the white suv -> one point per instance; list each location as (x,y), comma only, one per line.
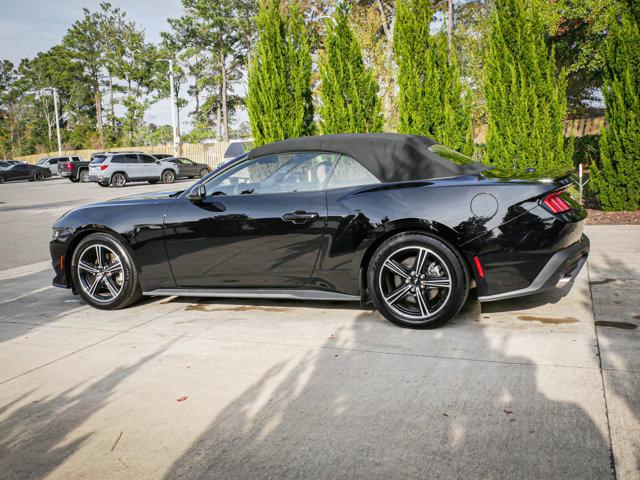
(119,168)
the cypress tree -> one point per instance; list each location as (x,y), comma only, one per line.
(348,89)
(617,179)
(279,98)
(526,99)
(431,99)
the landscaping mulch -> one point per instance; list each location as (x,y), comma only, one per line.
(598,217)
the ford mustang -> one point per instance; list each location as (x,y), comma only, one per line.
(398,222)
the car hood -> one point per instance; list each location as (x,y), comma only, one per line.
(149,197)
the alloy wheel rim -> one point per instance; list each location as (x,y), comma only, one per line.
(101,273)
(119,179)
(168,177)
(84,176)
(38,176)
(203,172)
(415,283)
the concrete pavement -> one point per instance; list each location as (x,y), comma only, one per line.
(181,388)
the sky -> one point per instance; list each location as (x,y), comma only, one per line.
(31,26)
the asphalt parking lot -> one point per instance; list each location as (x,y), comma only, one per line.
(539,388)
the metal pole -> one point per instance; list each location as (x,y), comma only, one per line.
(580,182)
(174,112)
(55,109)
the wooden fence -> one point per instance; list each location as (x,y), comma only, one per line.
(213,153)
(580,127)
(209,153)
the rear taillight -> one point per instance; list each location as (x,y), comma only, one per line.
(555,203)
(103,167)
(69,166)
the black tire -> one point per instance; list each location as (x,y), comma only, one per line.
(104,184)
(38,176)
(129,283)
(152,182)
(168,176)
(74,180)
(118,179)
(83,176)
(444,267)
(1,179)
(204,172)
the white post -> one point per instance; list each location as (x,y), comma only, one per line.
(174,112)
(55,109)
(580,185)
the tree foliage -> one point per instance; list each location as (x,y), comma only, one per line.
(526,99)
(617,177)
(348,90)
(431,99)
(279,100)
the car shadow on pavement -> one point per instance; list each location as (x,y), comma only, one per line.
(355,408)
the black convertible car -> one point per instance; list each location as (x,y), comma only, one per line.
(24,171)
(398,221)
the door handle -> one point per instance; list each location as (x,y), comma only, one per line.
(299,216)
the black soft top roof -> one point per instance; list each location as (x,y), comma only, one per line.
(391,157)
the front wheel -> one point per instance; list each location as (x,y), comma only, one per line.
(84,176)
(417,281)
(1,179)
(118,180)
(203,172)
(168,176)
(38,176)
(104,273)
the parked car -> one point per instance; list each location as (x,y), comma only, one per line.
(236,148)
(394,221)
(24,171)
(120,168)
(188,168)
(4,164)
(51,163)
(74,168)
(14,162)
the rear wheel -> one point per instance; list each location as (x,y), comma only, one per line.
(104,273)
(203,172)
(38,176)
(168,176)
(83,176)
(417,281)
(118,180)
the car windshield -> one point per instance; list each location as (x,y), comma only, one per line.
(41,161)
(98,159)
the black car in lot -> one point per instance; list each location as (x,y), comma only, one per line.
(188,168)
(24,171)
(397,221)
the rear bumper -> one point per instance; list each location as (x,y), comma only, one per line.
(562,268)
(97,178)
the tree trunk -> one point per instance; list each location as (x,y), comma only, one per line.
(225,117)
(98,101)
(111,103)
(450,26)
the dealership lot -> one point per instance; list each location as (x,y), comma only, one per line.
(547,387)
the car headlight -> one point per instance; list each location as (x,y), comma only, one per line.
(60,234)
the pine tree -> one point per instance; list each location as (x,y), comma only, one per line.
(431,98)
(279,99)
(617,178)
(526,99)
(348,89)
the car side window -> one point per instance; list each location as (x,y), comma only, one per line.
(279,173)
(350,173)
(147,159)
(130,158)
(117,159)
(186,161)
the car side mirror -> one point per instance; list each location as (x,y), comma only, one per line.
(157,162)
(197,194)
